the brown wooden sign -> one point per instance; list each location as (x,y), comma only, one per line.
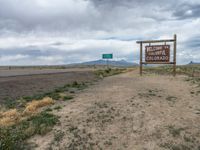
(157,53)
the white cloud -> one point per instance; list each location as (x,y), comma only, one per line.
(13,60)
(68,31)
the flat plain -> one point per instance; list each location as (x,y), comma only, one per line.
(155,111)
(17,83)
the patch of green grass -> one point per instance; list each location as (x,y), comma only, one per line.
(61,89)
(10,103)
(27,98)
(66,98)
(57,107)
(77,85)
(53,95)
(48,109)
(14,137)
(72,91)
(174,131)
(43,122)
(109,72)
(194,80)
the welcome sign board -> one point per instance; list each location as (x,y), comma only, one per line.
(157,53)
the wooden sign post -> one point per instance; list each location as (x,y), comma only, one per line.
(158,54)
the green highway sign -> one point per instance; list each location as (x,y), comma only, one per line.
(107,56)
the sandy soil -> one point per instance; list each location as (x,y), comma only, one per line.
(129,112)
(28,85)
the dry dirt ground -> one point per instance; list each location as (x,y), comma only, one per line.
(13,87)
(130,112)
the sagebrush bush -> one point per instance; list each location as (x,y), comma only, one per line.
(14,137)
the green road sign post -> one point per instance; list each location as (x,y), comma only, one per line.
(107,56)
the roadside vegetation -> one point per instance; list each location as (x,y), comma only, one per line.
(190,70)
(60,93)
(14,136)
(109,72)
(27,116)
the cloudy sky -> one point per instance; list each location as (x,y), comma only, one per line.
(51,32)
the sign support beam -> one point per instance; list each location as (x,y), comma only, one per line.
(167,61)
(174,66)
(141,58)
(107,64)
(107,56)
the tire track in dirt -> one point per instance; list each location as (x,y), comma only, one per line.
(129,112)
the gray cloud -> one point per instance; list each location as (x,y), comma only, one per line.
(193,43)
(107,15)
(35,15)
(186,11)
(67,31)
(87,15)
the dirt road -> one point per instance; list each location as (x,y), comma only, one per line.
(35,71)
(129,112)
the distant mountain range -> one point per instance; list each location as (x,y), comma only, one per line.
(194,63)
(121,63)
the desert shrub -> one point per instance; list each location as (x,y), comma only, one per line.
(14,137)
(43,122)
(61,89)
(109,72)
(75,83)
(48,109)
(174,130)
(167,69)
(65,98)
(53,95)
(57,107)
(9,103)
(27,98)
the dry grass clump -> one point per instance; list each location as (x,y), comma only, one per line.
(9,117)
(32,107)
(9,113)
(12,116)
